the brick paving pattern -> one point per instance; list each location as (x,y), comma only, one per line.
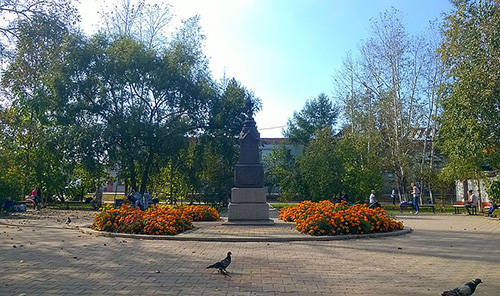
(40,255)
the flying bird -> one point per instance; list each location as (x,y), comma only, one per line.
(466,290)
(222,265)
(68,221)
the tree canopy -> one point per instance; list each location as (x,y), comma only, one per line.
(116,103)
(316,115)
(470,129)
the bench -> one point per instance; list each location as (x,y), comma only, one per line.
(410,206)
(74,202)
(457,208)
(27,202)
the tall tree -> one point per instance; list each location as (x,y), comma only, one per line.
(282,169)
(219,144)
(16,12)
(470,130)
(307,176)
(145,101)
(320,167)
(316,115)
(29,84)
(361,168)
(434,78)
(385,96)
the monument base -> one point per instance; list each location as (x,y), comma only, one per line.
(248,211)
(248,206)
(250,222)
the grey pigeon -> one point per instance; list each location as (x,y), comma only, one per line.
(222,265)
(68,221)
(466,290)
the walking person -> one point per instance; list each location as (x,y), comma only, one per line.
(43,197)
(394,193)
(373,201)
(416,195)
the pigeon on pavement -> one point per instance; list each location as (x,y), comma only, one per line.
(466,290)
(222,265)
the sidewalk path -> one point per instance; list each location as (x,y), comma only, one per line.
(39,255)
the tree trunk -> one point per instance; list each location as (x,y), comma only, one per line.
(479,199)
(171,187)
(145,174)
(133,181)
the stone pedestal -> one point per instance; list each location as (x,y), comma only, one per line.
(248,204)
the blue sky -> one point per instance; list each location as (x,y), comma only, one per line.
(286,51)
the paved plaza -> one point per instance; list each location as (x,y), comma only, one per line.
(40,255)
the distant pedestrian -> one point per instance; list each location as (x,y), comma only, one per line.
(394,193)
(36,195)
(96,202)
(373,201)
(416,195)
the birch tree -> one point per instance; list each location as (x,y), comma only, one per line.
(383,94)
(470,129)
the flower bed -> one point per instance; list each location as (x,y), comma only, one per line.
(200,213)
(161,220)
(327,218)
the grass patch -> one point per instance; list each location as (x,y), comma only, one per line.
(62,206)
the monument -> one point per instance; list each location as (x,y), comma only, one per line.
(248,198)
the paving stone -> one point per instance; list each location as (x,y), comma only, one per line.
(441,253)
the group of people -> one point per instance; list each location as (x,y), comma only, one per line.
(35,198)
(11,206)
(141,201)
(135,199)
(472,201)
(373,203)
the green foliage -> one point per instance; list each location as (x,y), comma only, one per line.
(493,190)
(282,169)
(321,167)
(388,93)
(15,13)
(470,130)
(361,169)
(218,149)
(81,106)
(316,114)
(330,165)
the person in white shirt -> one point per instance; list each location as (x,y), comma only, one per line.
(415,191)
(373,201)
(472,202)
